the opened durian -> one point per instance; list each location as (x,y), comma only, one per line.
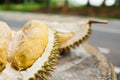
(30,54)
(72,34)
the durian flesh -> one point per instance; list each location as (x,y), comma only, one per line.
(41,53)
(5,36)
(31,46)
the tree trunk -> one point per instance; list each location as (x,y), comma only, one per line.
(47,5)
(7,3)
(32,1)
(26,1)
(65,7)
(90,9)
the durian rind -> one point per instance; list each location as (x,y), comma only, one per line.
(48,66)
(77,42)
(77,33)
(86,32)
(41,69)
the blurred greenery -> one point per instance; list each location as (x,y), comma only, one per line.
(59,3)
(32,5)
(23,7)
(55,3)
(69,7)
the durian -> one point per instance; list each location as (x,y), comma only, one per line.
(30,54)
(72,34)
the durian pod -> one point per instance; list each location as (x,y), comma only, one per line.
(28,51)
(72,34)
(44,61)
(106,68)
(5,37)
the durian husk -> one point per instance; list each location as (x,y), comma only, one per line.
(72,35)
(41,68)
(48,66)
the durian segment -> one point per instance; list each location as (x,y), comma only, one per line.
(42,67)
(5,36)
(17,36)
(5,31)
(63,37)
(32,45)
(3,53)
(75,33)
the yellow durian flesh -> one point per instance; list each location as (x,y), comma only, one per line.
(43,66)
(5,31)
(5,37)
(3,53)
(64,37)
(32,45)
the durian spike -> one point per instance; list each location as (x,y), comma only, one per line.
(5,37)
(28,52)
(48,66)
(96,21)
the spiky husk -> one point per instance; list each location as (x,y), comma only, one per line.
(48,66)
(79,31)
(40,70)
(45,64)
(78,42)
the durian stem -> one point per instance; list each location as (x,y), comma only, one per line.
(97,21)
